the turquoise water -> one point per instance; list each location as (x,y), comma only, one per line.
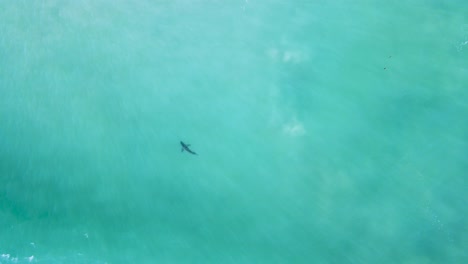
(327,131)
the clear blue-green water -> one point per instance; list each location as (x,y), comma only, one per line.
(327,131)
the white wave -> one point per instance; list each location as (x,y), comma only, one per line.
(294,128)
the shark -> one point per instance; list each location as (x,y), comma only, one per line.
(186,147)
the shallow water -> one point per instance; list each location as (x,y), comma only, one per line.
(327,132)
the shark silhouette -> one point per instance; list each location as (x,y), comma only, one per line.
(186,147)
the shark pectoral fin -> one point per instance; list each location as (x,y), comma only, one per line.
(188,145)
(182,150)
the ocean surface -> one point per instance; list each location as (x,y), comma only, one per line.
(326,131)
